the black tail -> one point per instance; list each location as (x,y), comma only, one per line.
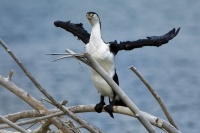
(120,103)
(117,102)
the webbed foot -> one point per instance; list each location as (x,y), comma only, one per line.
(98,108)
(109,109)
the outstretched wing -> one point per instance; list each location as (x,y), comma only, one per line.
(150,41)
(75,29)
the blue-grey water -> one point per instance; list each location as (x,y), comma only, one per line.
(172,69)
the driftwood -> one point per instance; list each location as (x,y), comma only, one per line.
(45,117)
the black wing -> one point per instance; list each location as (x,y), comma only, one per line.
(150,41)
(75,29)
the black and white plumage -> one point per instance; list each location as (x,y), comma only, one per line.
(101,52)
(104,54)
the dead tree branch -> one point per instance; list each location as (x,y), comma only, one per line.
(158,122)
(92,63)
(87,125)
(156,96)
(15,126)
(120,93)
(117,90)
(55,116)
(31,101)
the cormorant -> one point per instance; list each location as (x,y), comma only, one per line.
(104,54)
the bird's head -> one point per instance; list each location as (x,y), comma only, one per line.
(93,18)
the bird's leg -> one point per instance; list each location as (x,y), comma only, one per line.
(109,108)
(98,108)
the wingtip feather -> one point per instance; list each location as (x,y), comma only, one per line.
(177,31)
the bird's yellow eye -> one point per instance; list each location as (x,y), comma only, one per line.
(91,14)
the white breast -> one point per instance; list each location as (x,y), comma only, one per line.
(101,53)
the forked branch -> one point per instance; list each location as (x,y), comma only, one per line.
(79,120)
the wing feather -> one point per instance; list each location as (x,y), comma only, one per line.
(150,41)
(76,29)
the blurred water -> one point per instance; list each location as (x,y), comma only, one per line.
(173,69)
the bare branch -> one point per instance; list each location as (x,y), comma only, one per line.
(21,115)
(92,63)
(15,126)
(120,93)
(10,75)
(88,61)
(158,122)
(156,96)
(43,128)
(34,120)
(31,101)
(144,118)
(2,131)
(88,126)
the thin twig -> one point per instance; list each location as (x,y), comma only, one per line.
(15,126)
(43,99)
(81,58)
(156,96)
(10,75)
(32,124)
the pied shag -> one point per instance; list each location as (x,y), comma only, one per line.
(104,54)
